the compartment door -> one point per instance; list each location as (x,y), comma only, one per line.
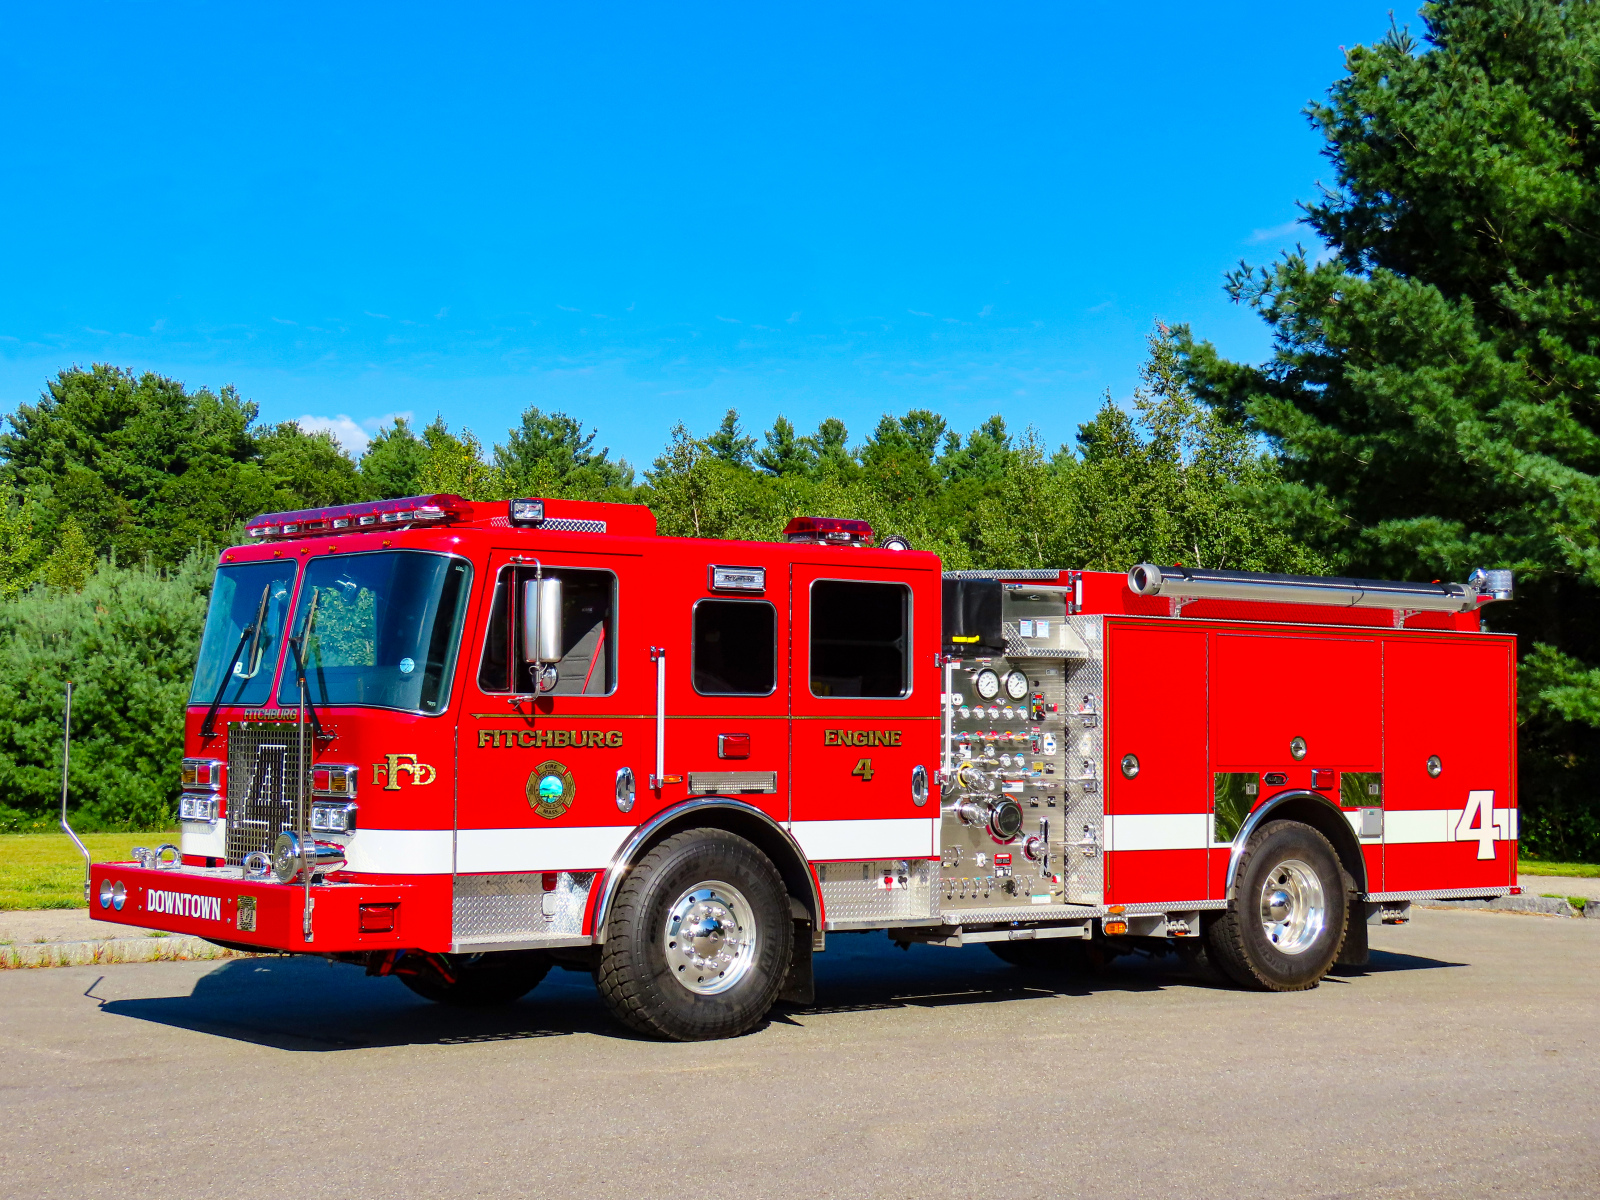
(864,692)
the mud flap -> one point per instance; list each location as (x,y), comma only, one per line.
(800,986)
(1353,951)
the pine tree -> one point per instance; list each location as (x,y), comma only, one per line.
(1434,388)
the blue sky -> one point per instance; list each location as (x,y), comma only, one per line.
(642,215)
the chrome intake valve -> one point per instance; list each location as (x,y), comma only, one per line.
(286,858)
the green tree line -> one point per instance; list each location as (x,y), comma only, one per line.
(120,488)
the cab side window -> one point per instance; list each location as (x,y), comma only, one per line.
(860,639)
(735,648)
(588,665)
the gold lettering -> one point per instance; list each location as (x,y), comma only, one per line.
(485,736)
(894,737)
(563,738)
(389,772)
(527,738)
(614,738)
(830,737)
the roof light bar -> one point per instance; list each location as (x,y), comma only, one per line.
(828,531)
(405,511)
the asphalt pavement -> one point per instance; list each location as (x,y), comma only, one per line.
(1462,1063)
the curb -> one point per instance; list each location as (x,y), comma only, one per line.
(1548,906)
(115,950)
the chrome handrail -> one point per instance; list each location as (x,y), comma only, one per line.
(66,758)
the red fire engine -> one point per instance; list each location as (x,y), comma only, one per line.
(459,742)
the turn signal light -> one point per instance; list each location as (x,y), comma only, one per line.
(378,918)
(329,780)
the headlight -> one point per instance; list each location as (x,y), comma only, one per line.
(197,806)
(333,818)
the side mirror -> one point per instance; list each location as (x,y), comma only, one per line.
(541,621)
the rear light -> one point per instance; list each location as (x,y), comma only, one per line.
(329,779)
(733,745)
(333,818)
(1322,779)
(201,774)
(198,806)
(378,918)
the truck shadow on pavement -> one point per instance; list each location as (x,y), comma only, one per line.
(305,1004)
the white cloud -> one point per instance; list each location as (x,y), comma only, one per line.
(354,436)
(1276,234)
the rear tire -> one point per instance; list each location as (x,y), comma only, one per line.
(481,980)
(1286,918)
(698,940)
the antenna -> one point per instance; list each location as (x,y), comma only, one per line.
(66,758)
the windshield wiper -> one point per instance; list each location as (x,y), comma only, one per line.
(298,646)
(252,634)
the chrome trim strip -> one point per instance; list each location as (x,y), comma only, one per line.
(1440,894)
(624,856)
(1146,910)
(551,942)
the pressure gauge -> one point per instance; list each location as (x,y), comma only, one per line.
(987,683)
(1016,685)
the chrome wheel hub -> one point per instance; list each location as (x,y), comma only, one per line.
(1294,911)
(710,938)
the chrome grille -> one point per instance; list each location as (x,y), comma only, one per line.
(263,759)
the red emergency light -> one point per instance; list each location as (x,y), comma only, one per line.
(354,518)
(828,531)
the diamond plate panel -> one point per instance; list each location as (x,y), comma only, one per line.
(511,908)
(1085,820)
(854,893)
(1441,894)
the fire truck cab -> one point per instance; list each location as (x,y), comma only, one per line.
(461,742)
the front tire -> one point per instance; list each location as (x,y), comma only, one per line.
(1286,921)
(698,940)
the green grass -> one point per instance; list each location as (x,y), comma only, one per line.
(45,870)
(1534,866)
(1577,902)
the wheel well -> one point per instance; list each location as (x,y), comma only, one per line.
(756,829)
(1331,824)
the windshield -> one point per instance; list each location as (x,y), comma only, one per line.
(235,601)
(384,631)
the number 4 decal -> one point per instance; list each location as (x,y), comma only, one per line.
(864,769)
(1477,823)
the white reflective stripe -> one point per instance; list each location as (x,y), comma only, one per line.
(557,848)
(1408,826)
(397,851)
(209,841)
(835,841)
(1158,831)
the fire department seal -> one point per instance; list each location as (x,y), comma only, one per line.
(550,789)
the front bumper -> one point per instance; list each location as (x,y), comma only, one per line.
(217,904)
